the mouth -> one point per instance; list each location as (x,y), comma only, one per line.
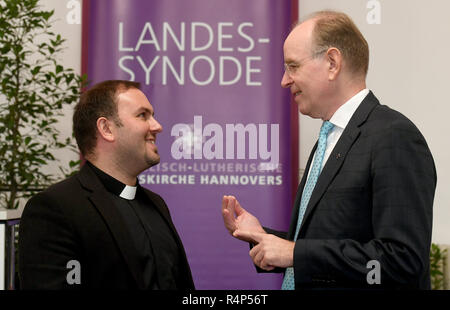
(152,141)
(153,146)
(297,93)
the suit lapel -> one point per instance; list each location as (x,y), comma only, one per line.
(163,211)
(113,219)
(160,209)
(338,155)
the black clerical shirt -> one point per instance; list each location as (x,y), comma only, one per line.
(158,251)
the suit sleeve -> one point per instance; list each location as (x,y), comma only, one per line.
(280,234)
(46,245)
(403,180)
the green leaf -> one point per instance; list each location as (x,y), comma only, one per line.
(28,109)
(36,70)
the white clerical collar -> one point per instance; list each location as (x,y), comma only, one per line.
(345,112)
(128,192)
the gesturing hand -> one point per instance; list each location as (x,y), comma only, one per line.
(269,251)
(236,217)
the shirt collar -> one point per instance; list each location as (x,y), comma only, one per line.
(345,112)
(113,185)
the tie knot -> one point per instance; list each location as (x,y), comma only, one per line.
(326,127)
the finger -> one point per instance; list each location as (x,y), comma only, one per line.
(258,258)
(235,205)
(231,204)
(248,236)
(257,255)
(244,235)
(228,221)
(224,202)
(238,208)
(228,217)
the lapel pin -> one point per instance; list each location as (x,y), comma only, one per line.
(338,155)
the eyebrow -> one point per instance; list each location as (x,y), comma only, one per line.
(143,109)
(289,61)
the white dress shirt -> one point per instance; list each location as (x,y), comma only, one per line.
(340,120)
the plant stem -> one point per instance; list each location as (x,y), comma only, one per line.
(15,115)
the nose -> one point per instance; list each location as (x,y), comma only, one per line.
(155,126)
(286,80)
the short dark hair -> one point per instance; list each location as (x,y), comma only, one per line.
(99,101)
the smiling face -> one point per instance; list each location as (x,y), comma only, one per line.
(306,73)
(136,137)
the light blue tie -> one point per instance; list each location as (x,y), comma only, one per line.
(288,281)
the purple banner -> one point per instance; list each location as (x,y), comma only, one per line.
(212,71)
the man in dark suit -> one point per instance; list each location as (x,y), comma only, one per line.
(100,228)
(363,212)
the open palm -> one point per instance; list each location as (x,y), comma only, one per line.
(237,218)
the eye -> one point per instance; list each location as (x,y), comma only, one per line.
(291,67)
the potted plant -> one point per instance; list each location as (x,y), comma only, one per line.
(34,90)
(438,257)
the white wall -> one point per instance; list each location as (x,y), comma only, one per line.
(70,58)
(408,71)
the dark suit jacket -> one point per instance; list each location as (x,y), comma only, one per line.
(372,201)
(75,220)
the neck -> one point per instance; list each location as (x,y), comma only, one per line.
(115,170)
(348,90)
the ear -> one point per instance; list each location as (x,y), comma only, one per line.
(105,130)
(334,59)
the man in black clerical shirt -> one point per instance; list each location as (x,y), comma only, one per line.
(100,228)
